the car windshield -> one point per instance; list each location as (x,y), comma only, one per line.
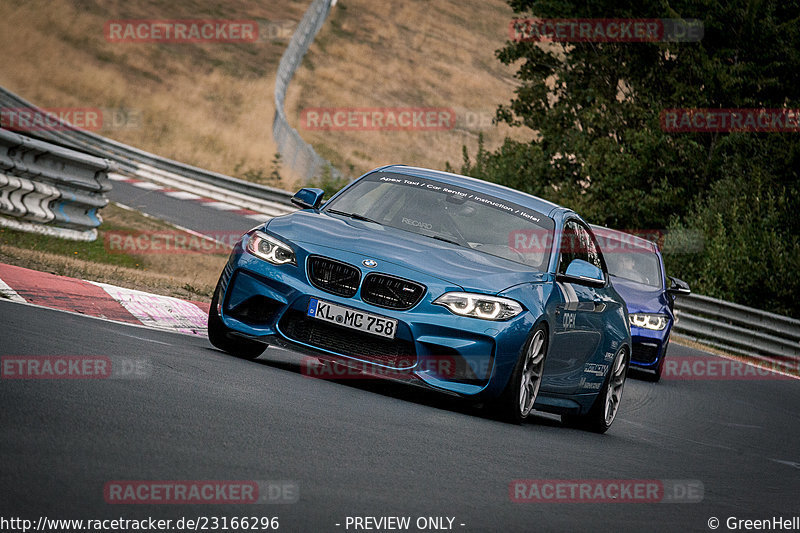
(634,263)
(452,214)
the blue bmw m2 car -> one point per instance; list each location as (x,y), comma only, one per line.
(637,272)
(441,280)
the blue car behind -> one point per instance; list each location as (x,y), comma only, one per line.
(439,280)
(637,271)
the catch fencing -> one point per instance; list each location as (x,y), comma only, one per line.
(295,152)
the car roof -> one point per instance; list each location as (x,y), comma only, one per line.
(500,191)
(629,237)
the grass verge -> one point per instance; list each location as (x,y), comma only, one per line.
(188,275)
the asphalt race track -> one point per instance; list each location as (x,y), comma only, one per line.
(191,215)
(361,448)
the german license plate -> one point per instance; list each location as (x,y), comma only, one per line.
(352,318)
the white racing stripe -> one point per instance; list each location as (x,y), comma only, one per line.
(147,185)
(570,296)
(159,312)
(10,294)
(222,206)
(183,195)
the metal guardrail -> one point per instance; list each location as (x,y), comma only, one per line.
(49,189)
(138,163)
(739,329)
(296,153)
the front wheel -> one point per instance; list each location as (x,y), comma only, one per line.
(606,405)
(219,335)
(516,402)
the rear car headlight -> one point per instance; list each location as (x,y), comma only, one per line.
(646,321)
(479,305)
(270,249)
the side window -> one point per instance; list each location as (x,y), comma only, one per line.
(592,250)
(577,242)
(571,247)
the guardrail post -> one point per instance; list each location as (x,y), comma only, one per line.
(45,188)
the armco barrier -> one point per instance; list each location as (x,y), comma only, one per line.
(140,164)
(296,153)
(50,189)
(739,329)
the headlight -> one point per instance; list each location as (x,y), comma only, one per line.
(641,320)
(479,306)
(270,249)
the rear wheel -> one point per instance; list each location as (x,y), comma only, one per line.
(606,405)
(517,400)
(221,337)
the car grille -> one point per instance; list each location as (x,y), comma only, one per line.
(644,353)
(333,276)
(391,292)
(395,353)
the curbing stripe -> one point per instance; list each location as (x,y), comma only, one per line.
(183,195)
(101,300)
(147,185)
(10,294)
(159,312)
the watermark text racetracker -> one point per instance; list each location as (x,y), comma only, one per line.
(181,31)
(693,368)
(377,118)
(531,241)
(196,31)
(752,120)
(605,30)
(606,491)
(396,119)
(44,367)
(185,492)
(404,367)
(33,119)
(169,242)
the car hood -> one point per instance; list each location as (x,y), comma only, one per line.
(469,269)
(640,298)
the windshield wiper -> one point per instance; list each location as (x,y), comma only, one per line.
(354,216)
(445,239)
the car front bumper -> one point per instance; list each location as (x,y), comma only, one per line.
(649,347)
(432,346)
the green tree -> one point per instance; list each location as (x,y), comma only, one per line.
(597,144)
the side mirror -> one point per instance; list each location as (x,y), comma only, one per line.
(583,272)
(677,286)
(308,198)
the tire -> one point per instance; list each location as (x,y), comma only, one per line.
(220,336)
(517,400)
(604,410)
